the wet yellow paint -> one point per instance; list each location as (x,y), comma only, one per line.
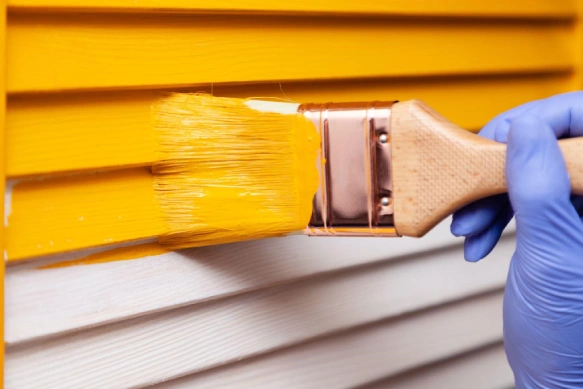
(237,173)
(70,213)
(226,173)
(118,254)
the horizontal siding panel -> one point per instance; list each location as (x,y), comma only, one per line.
(485,368)
(51,133)
(355,358)
(108,208)
(112,290)
(513,8)
(162,346)
(58,52)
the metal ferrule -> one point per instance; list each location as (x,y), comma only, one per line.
(355,193)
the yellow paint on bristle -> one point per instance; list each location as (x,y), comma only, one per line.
(227,172)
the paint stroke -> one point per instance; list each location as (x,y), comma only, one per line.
(63,214)
(114,255)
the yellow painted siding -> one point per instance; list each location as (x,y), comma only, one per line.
(516,8)
(68,213)
(41,129)
(49,52)
(2,168)
(81,85)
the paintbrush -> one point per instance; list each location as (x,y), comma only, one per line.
(230,169)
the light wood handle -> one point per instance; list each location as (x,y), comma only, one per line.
(438,167)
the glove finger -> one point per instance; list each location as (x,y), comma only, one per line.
(477,216)
(480,245)
(538,183)
(563,113)
(502,121)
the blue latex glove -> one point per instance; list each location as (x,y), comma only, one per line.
(543,301)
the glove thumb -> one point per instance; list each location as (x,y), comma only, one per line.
(538,183)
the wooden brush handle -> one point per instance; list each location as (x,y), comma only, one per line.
(439,167)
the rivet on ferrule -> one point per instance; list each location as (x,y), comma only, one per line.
(355,193)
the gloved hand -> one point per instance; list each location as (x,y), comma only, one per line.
(543,301)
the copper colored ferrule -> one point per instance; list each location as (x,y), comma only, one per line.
(355,193)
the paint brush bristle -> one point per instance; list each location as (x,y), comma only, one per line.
(227,172)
